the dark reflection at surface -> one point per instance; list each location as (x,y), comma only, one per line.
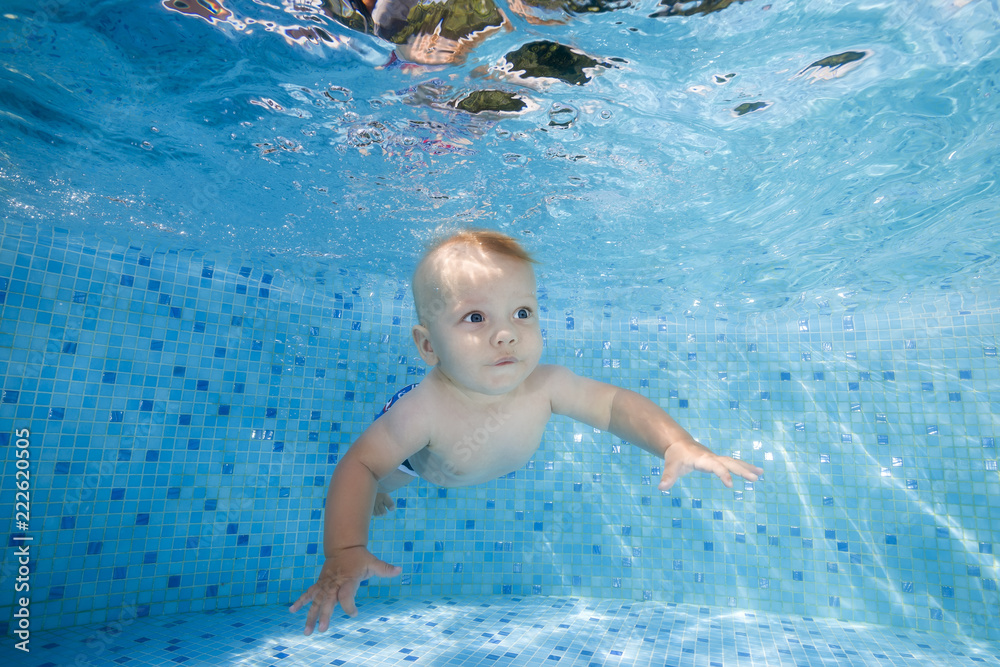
(536,11)
(424,31)
(209,10)
(834,66)
(354,14)
(690,8)
(591,6)
(551,60)
(501,101)
(487,102)
(750,107)
(838,60)
(433,32)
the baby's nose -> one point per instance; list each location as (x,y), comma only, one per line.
(504,336)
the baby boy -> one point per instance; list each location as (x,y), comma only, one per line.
(481,411)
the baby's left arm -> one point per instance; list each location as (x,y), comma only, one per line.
(638,420)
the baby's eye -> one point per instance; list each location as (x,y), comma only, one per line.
(522,313)
(474,318)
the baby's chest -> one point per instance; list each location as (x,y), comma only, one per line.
(498,434)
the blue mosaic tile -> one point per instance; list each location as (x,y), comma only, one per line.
(190,423)
(501,631)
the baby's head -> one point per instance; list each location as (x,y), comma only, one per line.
(451,262)
(475,299)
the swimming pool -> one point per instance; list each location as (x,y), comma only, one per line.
(778,220)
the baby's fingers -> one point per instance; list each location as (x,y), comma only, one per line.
(346,598)
(326,607)
(320,611)
(302,601)
(321,608)
(672,472)
(721,469)
(745,470)
(312,616)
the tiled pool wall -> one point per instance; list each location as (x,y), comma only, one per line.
(186,410)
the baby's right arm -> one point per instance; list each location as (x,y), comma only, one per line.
(379,450)
(345,539)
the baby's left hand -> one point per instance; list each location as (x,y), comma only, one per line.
(683,456)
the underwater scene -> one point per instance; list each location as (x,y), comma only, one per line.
(778,221)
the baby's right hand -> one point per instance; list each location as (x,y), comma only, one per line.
(342,574)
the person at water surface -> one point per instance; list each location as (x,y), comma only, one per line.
(481,411)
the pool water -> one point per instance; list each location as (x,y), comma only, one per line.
(777,220)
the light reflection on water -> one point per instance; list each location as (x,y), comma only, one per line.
(868,167)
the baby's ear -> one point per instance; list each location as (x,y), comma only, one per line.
(422,337)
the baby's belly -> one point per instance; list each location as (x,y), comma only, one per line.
(457,470)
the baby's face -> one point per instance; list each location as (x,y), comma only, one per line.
(480,320)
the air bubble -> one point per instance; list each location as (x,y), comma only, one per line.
(338,94)
(562,115)
(289,145)
(365,136)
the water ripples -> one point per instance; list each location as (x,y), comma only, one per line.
(749,157)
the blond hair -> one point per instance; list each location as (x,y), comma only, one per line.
(485,240)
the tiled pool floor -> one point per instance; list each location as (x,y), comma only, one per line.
(501,631)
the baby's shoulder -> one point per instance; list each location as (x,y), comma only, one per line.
(414,411)
(417,399)
(550,376)
(549,381)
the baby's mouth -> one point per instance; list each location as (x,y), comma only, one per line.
(504,361)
